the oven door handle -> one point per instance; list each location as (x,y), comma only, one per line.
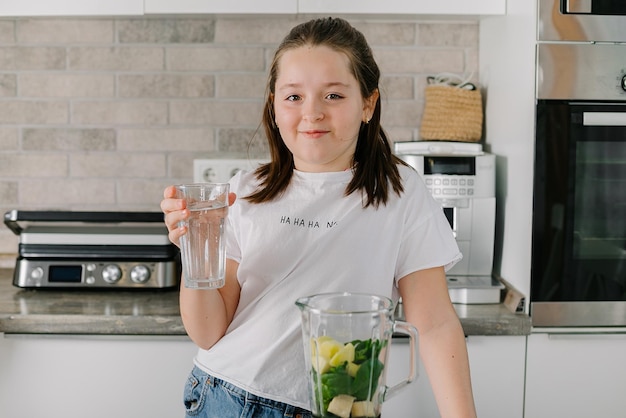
(592,335)
(604,118)
(578,6)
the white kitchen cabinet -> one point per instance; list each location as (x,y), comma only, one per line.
(137,376)
(420,7)
(92,376)
(576,375)
(71,7)
(497,366)
(221,6)
(140,7)
(497,371)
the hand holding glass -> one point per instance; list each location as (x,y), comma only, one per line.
(203,246)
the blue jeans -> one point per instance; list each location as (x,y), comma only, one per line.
(208,397)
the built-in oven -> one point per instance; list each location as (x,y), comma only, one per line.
(578,273)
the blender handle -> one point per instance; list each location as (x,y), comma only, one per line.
(405,328)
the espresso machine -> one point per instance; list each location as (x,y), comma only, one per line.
(461,176)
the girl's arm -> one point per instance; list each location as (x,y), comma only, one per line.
(443,350)
(206,313)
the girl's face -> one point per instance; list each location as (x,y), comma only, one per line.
(319,108)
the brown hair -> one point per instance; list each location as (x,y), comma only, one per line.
(374,166)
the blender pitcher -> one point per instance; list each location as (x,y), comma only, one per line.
(346,341)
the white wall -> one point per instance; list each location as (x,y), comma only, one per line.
(507,71)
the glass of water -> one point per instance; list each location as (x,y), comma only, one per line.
(203,254)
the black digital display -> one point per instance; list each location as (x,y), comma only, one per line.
(65,274)
(460,166)
(449,212)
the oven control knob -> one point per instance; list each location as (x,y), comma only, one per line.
(140,274)
(111,273)
(624,82)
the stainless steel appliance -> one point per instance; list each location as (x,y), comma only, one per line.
(113,250)
(578,273)
(581,20)
(462,178)
(593,7)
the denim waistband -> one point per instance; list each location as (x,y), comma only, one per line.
(288,410)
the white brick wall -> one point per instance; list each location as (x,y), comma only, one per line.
(102,114)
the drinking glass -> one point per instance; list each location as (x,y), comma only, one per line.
(203,254)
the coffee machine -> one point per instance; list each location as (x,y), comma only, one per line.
(461,176)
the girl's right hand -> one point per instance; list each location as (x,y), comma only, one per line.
(175,211)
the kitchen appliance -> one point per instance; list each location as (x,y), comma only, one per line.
(112,250)
(578,272)
(593,7)
(461,176)
(586,21)
(346,340)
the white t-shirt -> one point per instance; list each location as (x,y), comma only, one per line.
(314,239)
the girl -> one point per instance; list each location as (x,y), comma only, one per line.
(334,210)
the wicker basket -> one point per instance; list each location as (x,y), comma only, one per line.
(452,114)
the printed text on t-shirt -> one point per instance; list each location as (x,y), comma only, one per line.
(304,223)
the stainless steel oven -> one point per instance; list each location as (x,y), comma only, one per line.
(578,274)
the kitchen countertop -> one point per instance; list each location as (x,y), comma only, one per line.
(155,312)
